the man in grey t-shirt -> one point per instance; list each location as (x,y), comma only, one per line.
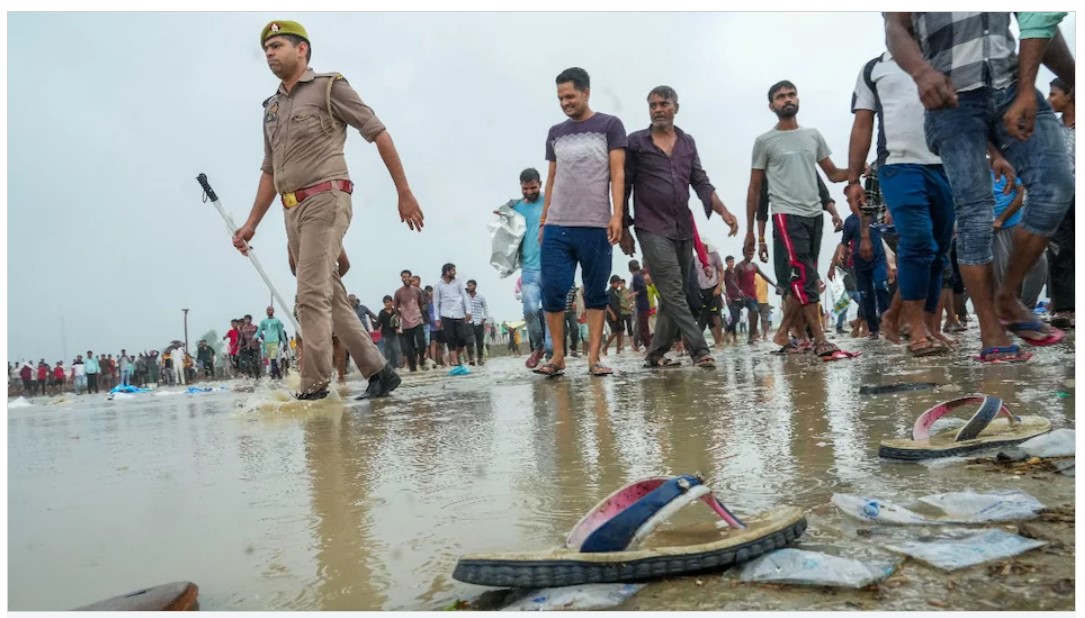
(788,157)
(587,175)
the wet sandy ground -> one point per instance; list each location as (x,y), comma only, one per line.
(346,505)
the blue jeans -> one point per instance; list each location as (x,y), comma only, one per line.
(921,201)
(959,135)
(562,249)
(873,284)
(531,295)
(389,347)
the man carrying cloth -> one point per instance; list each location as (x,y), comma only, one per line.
(661,165)
(304,132)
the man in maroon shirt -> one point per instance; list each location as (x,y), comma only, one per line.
(409,301)
(661,163)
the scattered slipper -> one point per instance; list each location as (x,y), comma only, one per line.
(836,355)
(828,352)
(1013,354)
(600,370)
(982,431)
(1054,335)
(549,370)
(619,540)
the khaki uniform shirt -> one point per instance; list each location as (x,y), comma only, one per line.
(304,133)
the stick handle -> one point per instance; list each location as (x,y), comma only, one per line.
(287,309)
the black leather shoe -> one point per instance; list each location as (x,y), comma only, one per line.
(381,383)
(311,396)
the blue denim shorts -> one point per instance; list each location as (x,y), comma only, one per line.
(562,249)
(960,135)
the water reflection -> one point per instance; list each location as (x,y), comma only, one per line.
(368,506)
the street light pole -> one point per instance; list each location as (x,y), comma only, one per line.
(186,329)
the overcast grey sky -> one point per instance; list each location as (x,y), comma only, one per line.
(111,116)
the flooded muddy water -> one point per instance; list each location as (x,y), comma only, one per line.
(344,505)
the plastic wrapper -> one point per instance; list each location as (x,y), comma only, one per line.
(586,597)
(809,568)
(1058,443)
(507,229)
(955,508)
(959,548)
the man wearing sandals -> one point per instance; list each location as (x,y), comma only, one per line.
(661,165)
(973,84)
(788,157)
(586,175)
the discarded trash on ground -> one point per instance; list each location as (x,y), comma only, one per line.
(959,548)
(589,596)
(956,508)
(1058,443)
(459,370)
(903,387)
(809,568)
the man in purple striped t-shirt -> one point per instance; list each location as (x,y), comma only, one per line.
(587,174)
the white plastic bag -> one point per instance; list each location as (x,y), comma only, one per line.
(588,596)
(957,508)
(959,548)
(797,566)
(1058,443)
(507,229)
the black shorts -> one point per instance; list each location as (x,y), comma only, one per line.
(454,333)
(617,327)
(710,303)
(796,243)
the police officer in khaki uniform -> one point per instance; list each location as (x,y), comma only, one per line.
(305,128)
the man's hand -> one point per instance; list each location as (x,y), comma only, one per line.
(438,323)
(731,221)
(838,223)
(716,291)
(856,196)
(1020,119)
(935,89)
(748,244)
(892,273)
(242,237)
(627,244)
(467,319)
(998,223)
(832,273)
(542,226)
(866,249)
(410,212)
(1002,168)
(888,219)
(614,230)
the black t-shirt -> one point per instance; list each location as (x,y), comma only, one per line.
(614,300)
(388,322)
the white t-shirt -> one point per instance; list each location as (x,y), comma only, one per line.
(895,100)
(80,369)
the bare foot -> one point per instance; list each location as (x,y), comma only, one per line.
(890,327)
